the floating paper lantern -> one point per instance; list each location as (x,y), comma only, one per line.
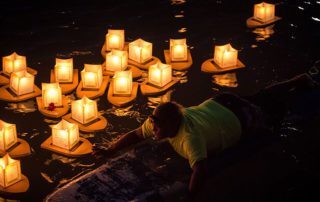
(63,70)
(264,12)
(51,93)
(84,110)
(178,50)
(225,56)
(91,76)
(140,51)
(116,60)
(160,74)
(22,82)
(65,135)
(115,39)
(13,63)
(8,135)
(122,83)
(10,171)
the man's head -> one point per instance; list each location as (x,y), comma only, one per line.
(166,119)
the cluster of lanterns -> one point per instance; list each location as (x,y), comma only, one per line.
(124,62)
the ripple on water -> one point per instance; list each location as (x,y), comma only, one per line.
(226,80)
(22,107)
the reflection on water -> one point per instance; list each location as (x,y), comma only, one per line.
(264,32)
(74,53)
(181,75)
(22,107)
(153,102)
(177,2)
(228,80)
(182,30)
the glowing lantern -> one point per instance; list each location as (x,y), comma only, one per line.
(8,135)
(160,74)
(264,12)
(51,93)
(115,39)
(140,51)
(225,56)
(117,60)
(21,82)
(84,110)
(14,63)
(65,135)
(91,76)
(178,50)
(122,83)
(10,171)
(63,70)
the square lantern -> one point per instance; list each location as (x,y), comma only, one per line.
(160,74)
(140,51)
(117,60)
(51,93)
(21,82)
(65,135)
(178,50)
(264,12)
(122,83)
(225,56)
(91,76)
(84,110)
(10,171)
(13,63)
(8,135)
(115,39)
(63,70)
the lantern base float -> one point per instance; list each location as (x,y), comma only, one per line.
(254,23)
(145,65)
(121,101)
(181,65)
(5,79)
(19,187)
(94,93)
(66,88)
(152,90)
(6,94)
(136,72)
(57,112)
(209,66)
(98,124)
(84,147)
(104,50)
(20,149)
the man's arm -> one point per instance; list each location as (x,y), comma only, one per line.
(198,177)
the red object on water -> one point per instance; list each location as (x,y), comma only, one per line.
(51,106)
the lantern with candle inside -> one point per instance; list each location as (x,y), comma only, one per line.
(8,135)
(140,51)
(21,82)
(14,63)
(263,14)
(63,70)
(84,110)
(160,74)
(122,83)
(178,50)
(225,56)
(10,171)
(51,93)
(114,39)
(91,76)
(116,60)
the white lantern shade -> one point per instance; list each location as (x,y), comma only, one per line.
(116,60)
(91,76)
(122,83)
(178,50)
(264,12)
(51,93)
(115,39)
(65,135)
(13,63)
(84,110)
(225,56)
(10,171)
(21,82)
(63,70)
(140,51)
(160,74)
(8,135)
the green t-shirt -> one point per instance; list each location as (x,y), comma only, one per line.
(208,127)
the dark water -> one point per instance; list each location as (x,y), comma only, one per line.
(42,31)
